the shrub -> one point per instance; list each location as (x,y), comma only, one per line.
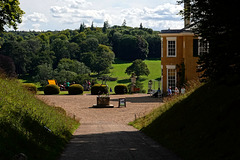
(51,89)
(120,89)
(30,87)
(75,89)
(99,89)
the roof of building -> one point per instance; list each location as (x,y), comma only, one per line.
(176,31)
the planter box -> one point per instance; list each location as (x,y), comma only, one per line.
(103,100)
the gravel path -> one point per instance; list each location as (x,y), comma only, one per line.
(104,133)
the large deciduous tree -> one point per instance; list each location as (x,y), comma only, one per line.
(217,22)
(138,67)
(10,14)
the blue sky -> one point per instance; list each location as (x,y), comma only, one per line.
(69,14)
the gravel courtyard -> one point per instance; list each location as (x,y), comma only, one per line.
(104,133)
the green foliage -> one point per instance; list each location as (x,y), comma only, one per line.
(10,14)
(121,89)
(206,117)
(51,89)
(7,66)
(99,89)
(30,87)
(75,89)
(29,126)
(138,67)
(132,47)
(214,22)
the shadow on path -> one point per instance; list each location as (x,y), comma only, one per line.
(118,145)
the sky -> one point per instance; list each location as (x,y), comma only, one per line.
(43,15)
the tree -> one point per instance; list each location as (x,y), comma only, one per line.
(124,23)
(7,66)
(92,27)
(141,26)
(10,14)
(82,27)
(218,23)
(154,42)
(105,26)
(133,47)
(73,66)
(138,67)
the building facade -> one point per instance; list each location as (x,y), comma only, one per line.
(180,50)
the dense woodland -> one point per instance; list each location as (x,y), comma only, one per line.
(73,54)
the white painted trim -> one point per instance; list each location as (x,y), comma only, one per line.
(172,39)
(171,66)
(175,77)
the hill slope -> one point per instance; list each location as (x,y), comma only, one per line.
(202,125)
(29,126)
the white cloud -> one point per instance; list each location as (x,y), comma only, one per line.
(37,17)
(36,27)
(160,17)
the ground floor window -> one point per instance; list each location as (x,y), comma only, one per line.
(172,78)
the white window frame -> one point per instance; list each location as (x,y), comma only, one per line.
(203,47)
(170,39)
(172,67)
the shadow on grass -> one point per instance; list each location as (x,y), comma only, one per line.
(124,81)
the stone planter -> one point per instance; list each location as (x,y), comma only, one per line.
(103,102)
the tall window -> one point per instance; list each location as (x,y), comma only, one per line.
(200,47)
(171,46)
(171,76)
(203,47)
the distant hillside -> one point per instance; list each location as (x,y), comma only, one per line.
(202,125)
(29,126)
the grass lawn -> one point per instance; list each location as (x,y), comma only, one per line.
(29,126)
(119,71)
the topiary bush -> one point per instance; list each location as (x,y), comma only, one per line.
(75,89)
(51,89)
(99,89)
(120,89)
(30,87)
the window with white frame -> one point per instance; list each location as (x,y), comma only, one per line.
(171,76)
(203,47)
(200,47)
(171,46)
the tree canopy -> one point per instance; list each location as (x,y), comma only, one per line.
(138,67)
(218,23)
(11,14)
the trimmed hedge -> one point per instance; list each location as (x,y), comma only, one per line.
(99,89)
(121,89)
(30,87)
(75,89)
(51,89)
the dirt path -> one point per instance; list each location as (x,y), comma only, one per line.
(104,133)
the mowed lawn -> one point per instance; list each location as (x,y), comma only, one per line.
(119,71)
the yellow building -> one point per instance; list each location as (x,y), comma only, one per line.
(180,50)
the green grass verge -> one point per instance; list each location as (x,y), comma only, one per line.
(201,125)
(119,71)
(29,126)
